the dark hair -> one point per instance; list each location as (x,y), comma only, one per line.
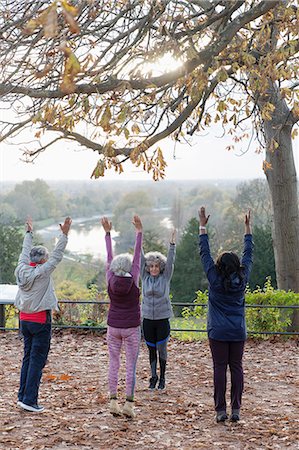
(228,263)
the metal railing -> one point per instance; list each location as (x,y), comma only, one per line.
(103,328)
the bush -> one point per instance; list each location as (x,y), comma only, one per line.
(258,319)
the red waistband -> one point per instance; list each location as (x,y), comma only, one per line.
(39,317)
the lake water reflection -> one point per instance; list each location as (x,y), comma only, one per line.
(84,238)
(87,236)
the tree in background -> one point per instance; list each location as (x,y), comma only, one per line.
(11,239)
(100,63)
(188,276)
(263,260)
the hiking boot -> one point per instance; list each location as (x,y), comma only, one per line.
(31,408)
(161,384)
(221,416)
(153,382)
(235,415)
(114,407)
(128,409)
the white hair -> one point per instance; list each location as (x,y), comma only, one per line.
(121,264)
(155,257)
(38,253)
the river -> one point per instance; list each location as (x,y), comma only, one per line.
(87,236)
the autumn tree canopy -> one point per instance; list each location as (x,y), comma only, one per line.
(118,76)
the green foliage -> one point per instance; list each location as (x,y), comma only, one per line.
(269,319)
(263,257)
(11,239)
(152,242)
(257,319)
(80,314)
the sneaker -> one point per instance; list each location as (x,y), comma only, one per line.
(235,415)
(221,416)
(161,384)
(114,407)
(153,382)
(31,408)
(128,409)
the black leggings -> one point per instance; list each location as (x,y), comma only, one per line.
(156,334)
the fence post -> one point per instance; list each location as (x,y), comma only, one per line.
(2,315)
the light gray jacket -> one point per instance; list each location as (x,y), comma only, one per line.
(36,289)
(155,290)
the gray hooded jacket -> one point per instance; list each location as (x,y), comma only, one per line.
(156,303)
(36,289)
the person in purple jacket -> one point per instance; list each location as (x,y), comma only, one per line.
(122,275)
(226,325)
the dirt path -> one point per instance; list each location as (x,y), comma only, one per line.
(74,392)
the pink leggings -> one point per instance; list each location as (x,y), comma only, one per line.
(116,337)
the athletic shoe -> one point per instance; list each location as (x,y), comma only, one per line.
(161,384)
(31,408)
(114,407)
(153,382)
(128,409)
(221,416)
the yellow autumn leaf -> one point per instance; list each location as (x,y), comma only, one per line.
(69,8)
(135,128)
(71,69)
(105,119)
(31,26)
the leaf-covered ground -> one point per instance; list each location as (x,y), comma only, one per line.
(74,392)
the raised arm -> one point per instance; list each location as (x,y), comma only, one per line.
(24,257)
(204,246)
(248,246)
(135,271)
(170,256)
(107,225)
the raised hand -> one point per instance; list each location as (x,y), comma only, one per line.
(28,224)
(137,223)
(65,227)
(173,236)
(248,217)
(247,222)
(107,224)
(203,219)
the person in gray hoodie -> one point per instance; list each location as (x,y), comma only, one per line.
(156,273)
(35,299)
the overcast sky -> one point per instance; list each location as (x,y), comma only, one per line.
(206,159)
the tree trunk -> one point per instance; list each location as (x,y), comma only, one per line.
(282,180)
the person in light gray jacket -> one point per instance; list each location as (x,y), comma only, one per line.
(156,273)
(35,300)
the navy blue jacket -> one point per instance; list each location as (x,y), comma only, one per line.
(226,309)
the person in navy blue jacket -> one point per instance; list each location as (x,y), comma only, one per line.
(226,324)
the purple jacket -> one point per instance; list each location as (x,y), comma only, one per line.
(124,310)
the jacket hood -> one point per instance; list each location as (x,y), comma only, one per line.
(25,277)
(121,285)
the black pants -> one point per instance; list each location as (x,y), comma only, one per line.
(37,337)
(227,354)
(156,334)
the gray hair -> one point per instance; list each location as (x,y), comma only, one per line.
(121,264)
(155,257)
(38,253)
